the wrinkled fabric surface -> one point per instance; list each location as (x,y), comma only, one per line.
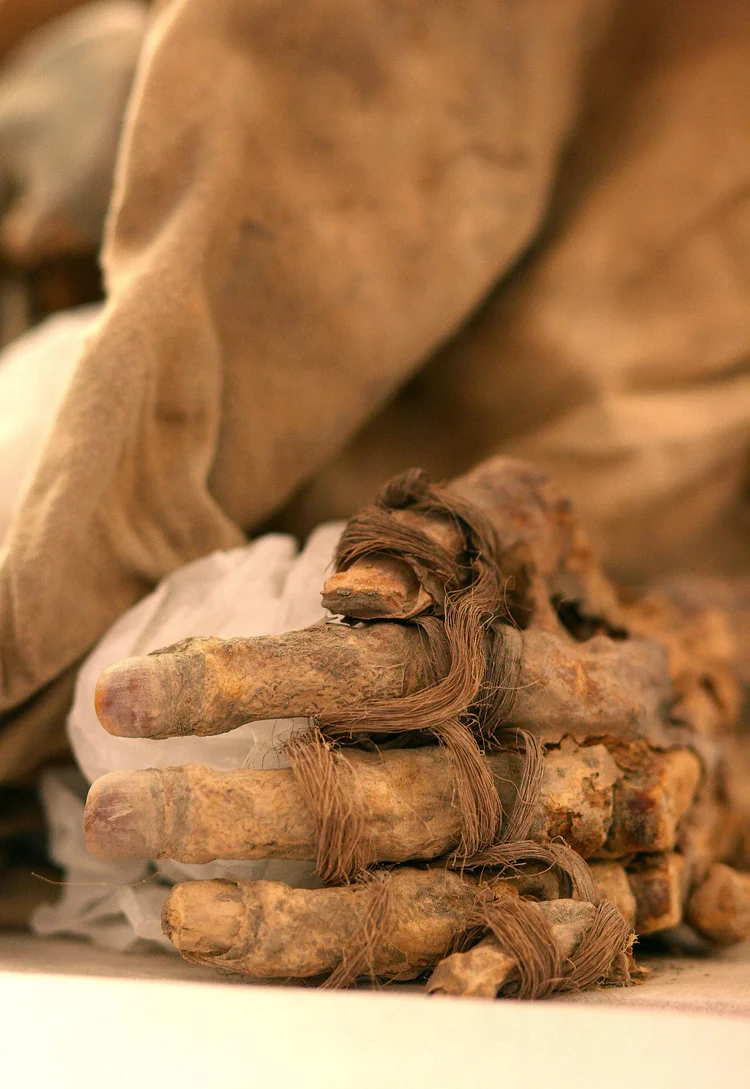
(347,239)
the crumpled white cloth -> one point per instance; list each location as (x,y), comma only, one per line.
(262,588)
(103,901)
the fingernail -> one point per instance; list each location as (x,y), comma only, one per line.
(123,819)
(133,698)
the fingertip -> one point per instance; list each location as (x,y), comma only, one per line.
(122,820)
(203,918)
(130,697)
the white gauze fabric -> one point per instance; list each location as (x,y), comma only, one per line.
(263,588)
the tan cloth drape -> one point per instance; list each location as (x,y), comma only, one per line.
(313,199)
(617,355)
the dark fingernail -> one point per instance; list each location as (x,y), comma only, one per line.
(133,698)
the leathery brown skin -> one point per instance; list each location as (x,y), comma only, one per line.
(544,553)
(400,925)
(270,931)
(602,686)
(484,971)
(407,800)
(386,587)
(210,686)
(620,689)
(719,907)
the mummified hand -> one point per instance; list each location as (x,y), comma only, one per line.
(515,656)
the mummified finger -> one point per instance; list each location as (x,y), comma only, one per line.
(401,803)
(388,551)
(391,927)
(210,686)
(382,586)
(344,674)
(612,883)
(536,948)
(659,886)
(719,908)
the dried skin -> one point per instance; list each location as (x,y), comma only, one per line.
(267,930)
(576,798)
(382,586)
(658,884)
(194,814)
(543,553)
(599,688)
(693,595)
(481,972)
(612,883)
(210,686)
(651,798)
(375,588)
(659,685)
(487,969)
(704,661)
(548,565)
(405,800)
(719,908)
(270,931)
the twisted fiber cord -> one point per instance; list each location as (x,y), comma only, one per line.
(527,797)
(499,691)
(476,661)
(322,775)
(608,937)
(519,927)
(577,881)
(523,933)
(381,533)
(474,600)
(359,957)
(340,823)
(478,801)
(467,702)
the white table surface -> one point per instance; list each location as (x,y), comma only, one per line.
(71,1015)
